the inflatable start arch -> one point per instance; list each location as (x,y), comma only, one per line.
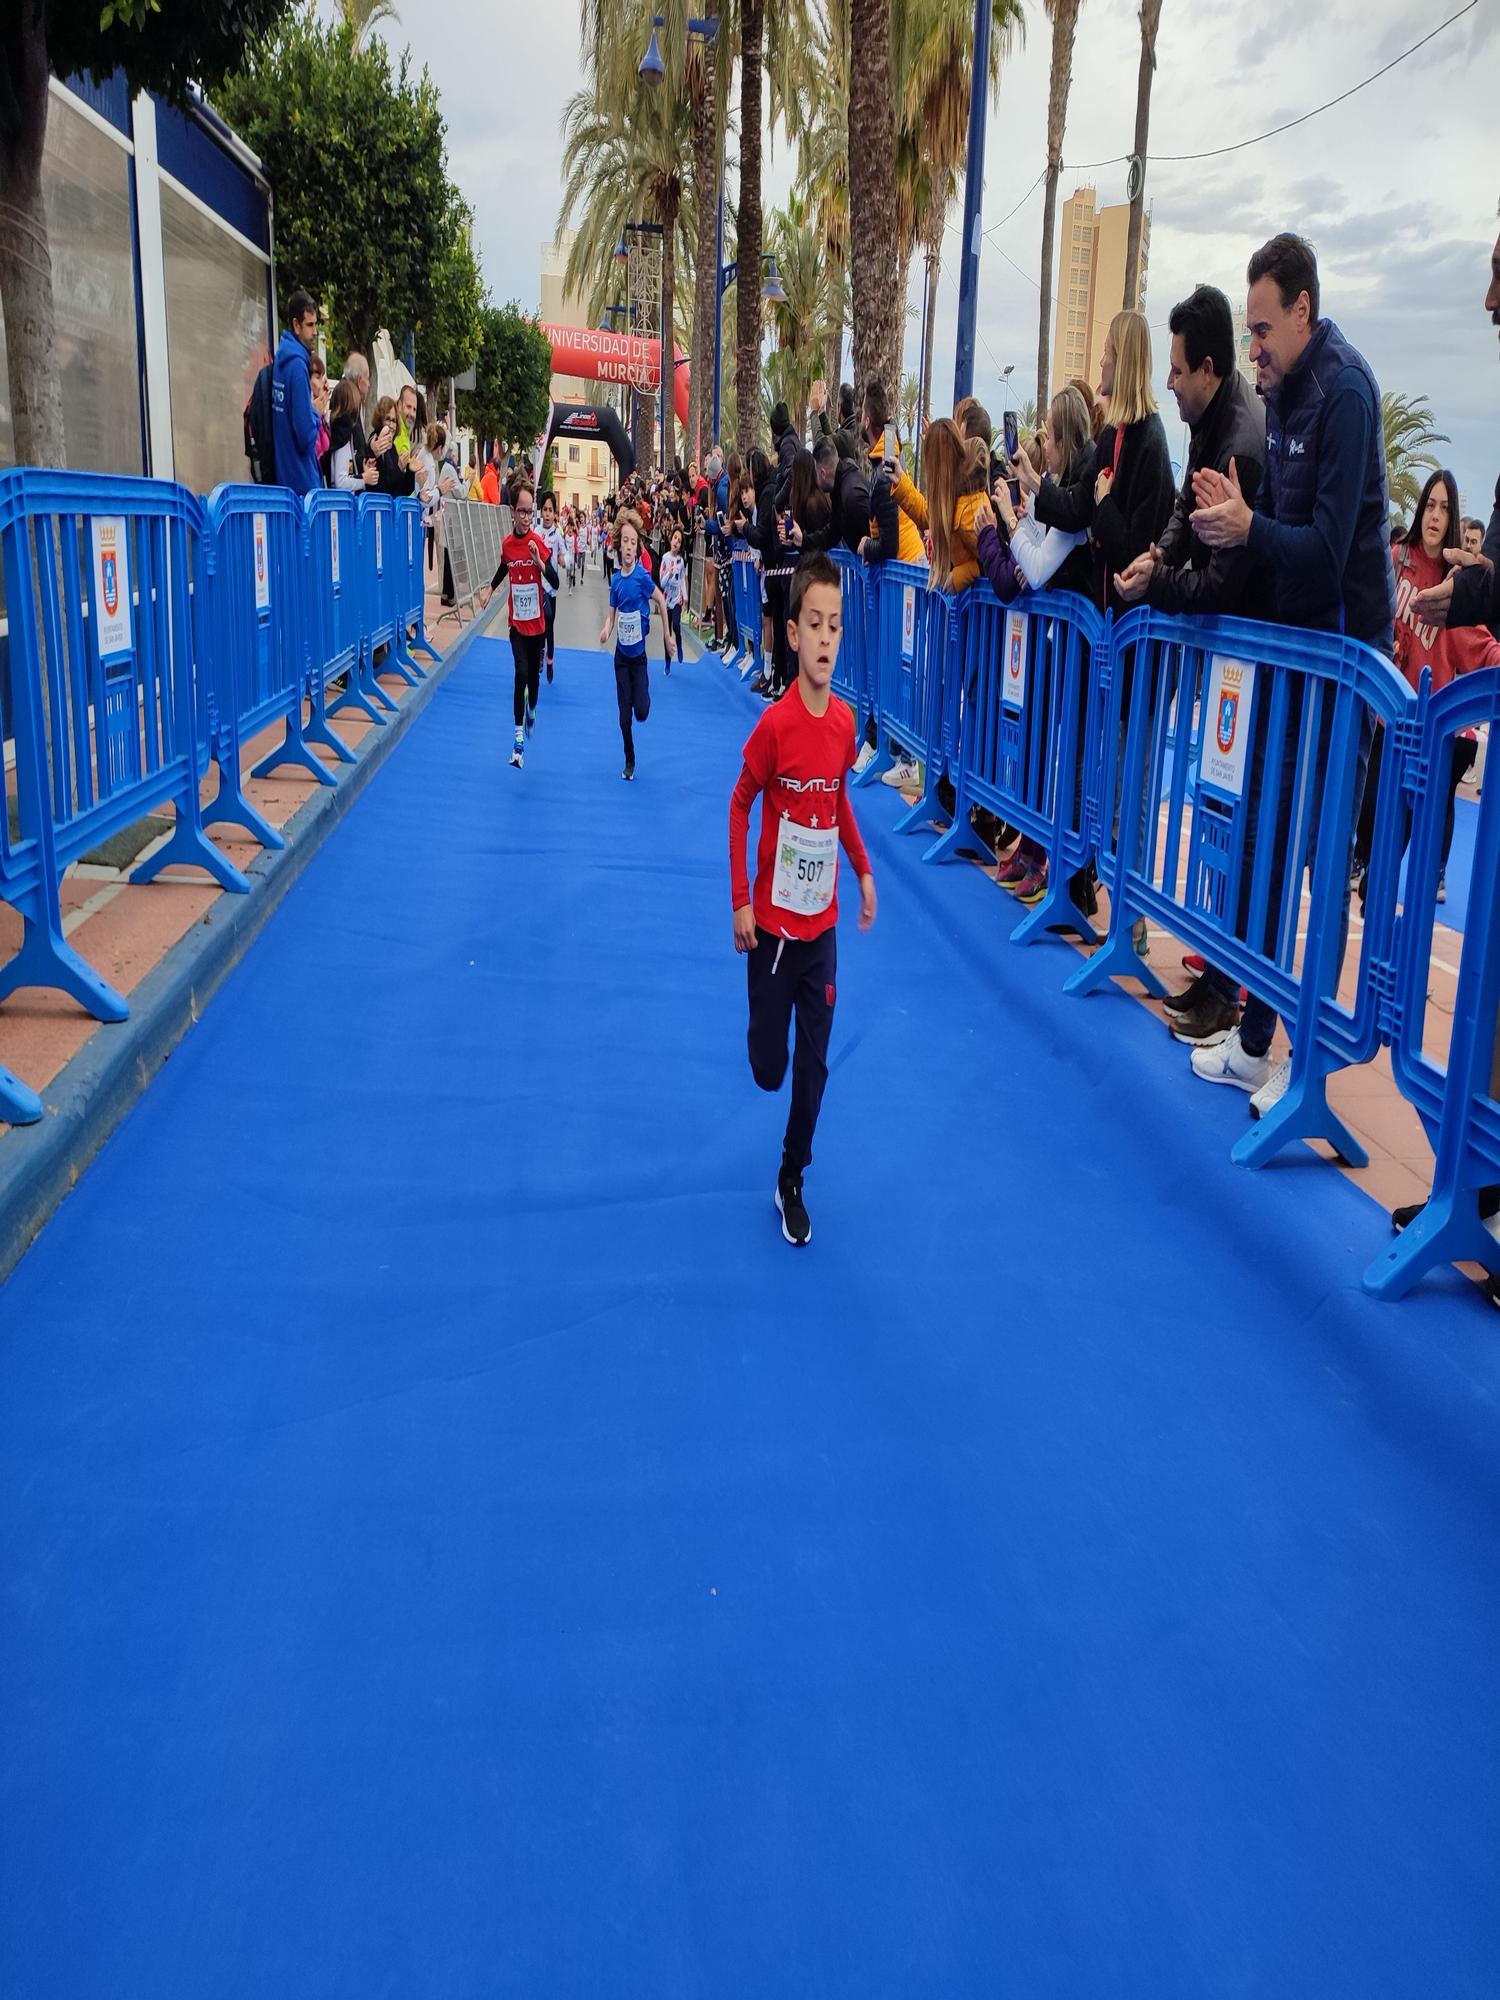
(596,356)
(582,420)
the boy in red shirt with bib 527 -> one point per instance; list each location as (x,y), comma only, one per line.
(798,757)
(526,558)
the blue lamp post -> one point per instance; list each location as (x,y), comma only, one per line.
(968,270)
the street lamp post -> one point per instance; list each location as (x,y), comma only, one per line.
(968,280)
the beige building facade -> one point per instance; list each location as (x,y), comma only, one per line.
(1091,246)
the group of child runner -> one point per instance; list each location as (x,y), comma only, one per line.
(797,762)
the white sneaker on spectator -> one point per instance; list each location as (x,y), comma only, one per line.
(865,759)
(1226,1062)
(1272,1090)
(905,774)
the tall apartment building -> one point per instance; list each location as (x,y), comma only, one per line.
(1091,247)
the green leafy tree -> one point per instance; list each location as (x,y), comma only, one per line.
(513,378)
(162,45)
(354,152)
(1409,433)
(448,327)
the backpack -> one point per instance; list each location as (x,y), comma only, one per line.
(260,447)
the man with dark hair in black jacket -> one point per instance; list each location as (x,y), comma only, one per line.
(1227,423)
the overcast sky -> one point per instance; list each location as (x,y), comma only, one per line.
(1397,188)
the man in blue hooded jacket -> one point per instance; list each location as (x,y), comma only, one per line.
(294,421)
(1320,528)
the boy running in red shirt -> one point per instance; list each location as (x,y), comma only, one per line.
(527,560)
(798,756)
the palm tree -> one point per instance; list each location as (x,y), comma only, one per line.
(624,148)
(822,141)
(874,246)
(1150,18)
(1026,417)
(364,15)
(747,322)
(910,403)
(1064,17)
(801,319)
(703,95)
(1409,433)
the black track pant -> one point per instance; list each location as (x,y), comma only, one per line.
(549,605)
(791,976)
(526,651)
(633,689)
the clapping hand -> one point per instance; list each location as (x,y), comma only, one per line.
(1222,517)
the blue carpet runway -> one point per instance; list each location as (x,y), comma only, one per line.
(453,1547)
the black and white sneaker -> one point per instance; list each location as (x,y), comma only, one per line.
(1190,998)
(1207,1023)
(629,772)
(796,1224)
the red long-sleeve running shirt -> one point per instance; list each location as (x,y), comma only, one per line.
(800,763)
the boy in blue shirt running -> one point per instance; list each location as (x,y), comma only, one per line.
(631,595)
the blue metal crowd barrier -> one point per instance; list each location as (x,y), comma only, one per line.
(330,599)
(152,634)
(255,653)
(1197,762)
(378,595)
(852,678)
(408,580)
(18,1105)
(1018,696)
(1458,1100)
(105,590)
(911,632)
(745,571)
(1271,727)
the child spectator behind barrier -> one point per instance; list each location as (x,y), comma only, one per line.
(955,472)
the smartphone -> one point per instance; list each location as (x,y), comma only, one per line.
(888,445)
(1012,434)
